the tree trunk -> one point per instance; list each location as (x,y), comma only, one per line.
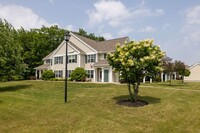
(182,79)
(136,90)
(129,90)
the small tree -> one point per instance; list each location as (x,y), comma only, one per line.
(168,67)
(79,74)
(48,74)
(134,60)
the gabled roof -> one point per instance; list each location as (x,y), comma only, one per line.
(101,63)
(194,65)
(102,46)
(77,48)
(47,57)
(44,66)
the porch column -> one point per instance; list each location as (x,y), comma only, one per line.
(36,74)
(174,75)
(95,75)
(110,79)
(144,79)
(150,80)
(161,77)
(166,77)
(102,75)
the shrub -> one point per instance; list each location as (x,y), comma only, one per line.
(79,74)
(48,74)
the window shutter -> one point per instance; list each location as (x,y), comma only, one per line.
(85,58)
(54,60)
(75,58)
(94,57)
(62,60)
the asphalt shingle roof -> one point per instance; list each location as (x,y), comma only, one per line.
(102,46)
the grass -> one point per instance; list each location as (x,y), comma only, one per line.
(38,106)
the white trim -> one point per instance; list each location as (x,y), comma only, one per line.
(79,60)
(74,48)
(83,42)
(194,65)
(90,53)
(58,55)
(62,43)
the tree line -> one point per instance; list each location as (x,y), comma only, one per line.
(22,50)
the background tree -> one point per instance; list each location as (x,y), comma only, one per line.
(168,67)
(92,36)
(134,60)
(36,44)
(181,69)
(11,64)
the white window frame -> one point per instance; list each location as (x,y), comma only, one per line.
(58,60)
(90,74)
(58,73)
(72,58)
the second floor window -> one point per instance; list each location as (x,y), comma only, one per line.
(72,58)
(90,58)
(48,61)
(58,60)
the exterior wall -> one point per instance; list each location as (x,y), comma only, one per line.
(101,56)
(82,60)
(79,44)
(194,74)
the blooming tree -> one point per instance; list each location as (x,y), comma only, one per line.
(134,60)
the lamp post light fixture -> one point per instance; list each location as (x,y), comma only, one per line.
(66,37)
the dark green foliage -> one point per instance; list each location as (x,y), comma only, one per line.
(11,65)
(48,74)
(79,74)
(36,44)
(92,36)
(181,69)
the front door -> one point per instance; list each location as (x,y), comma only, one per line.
(106,72)
(100,76)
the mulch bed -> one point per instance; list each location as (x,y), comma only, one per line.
(130,103)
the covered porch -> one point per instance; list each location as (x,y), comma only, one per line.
(104,73)
(40,69)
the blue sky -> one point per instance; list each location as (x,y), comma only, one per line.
(173,24)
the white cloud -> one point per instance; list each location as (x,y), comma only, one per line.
(191,27)
(70,27)
(111,11)
(20,16)
(125,31)
(193,15)
(147,29)
(107,35)
(115,13)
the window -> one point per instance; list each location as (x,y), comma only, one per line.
(90,58)
(69,73)
(58,60)
(58,74)
(104,56)
(72,58)
(90,73)
(48,61)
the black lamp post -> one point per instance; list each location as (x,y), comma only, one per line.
(66,37)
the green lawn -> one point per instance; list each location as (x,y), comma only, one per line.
(38,107)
